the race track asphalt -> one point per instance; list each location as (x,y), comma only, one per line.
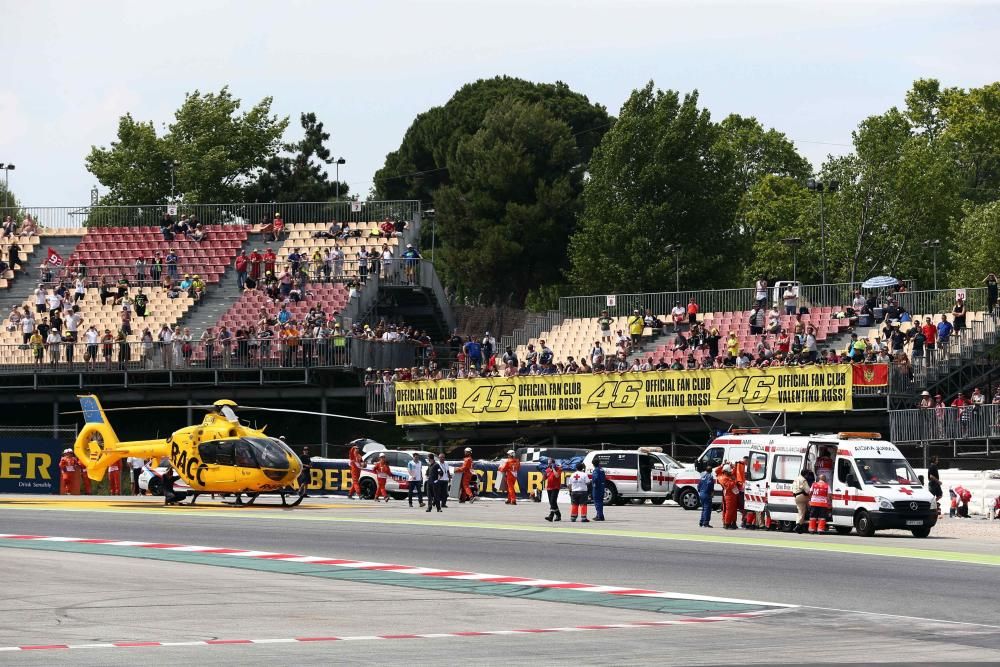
(905,599)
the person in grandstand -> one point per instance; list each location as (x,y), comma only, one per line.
(604,323)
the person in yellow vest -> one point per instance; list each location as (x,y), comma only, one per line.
(37,345)
(635,326)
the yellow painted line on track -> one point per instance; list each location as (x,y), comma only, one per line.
(303,513)
(125,504)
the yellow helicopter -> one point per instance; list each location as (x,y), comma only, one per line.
(220,455)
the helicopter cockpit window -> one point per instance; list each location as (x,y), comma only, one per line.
(244,455)
(270,453)
(218,452)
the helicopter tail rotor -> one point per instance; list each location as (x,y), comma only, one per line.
(95,444)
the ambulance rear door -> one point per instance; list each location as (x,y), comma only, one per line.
(785,467)
(755,491)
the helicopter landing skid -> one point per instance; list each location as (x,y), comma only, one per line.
(289,497)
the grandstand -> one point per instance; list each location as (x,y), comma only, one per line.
(575,336)
(28,244)
(112,251)
(301,237)
(331,297)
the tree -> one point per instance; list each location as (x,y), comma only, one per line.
(301,176)
(756,152)
(9,203)
(656,179)
(898,189)
(511,203)
(923,108)
(972,128)
(422,162)
(776,208)
(977,245)
(502,164)
(214,151)
(136,168)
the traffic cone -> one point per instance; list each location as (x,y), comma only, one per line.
(812,525)
(822,525)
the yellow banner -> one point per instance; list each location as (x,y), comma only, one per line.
(650,394)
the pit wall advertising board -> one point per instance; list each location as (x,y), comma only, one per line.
(30,465)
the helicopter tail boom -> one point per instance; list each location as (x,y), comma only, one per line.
(97,446)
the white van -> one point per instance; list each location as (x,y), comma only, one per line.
(873,486)
(397,485)
(635,473)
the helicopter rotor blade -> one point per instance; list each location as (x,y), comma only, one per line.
(148,407)
(235,407)
(309,412)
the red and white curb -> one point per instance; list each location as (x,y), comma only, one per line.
(434,635)
(397,569)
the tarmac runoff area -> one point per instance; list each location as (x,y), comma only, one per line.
(406,593)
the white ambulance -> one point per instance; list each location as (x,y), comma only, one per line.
(731,447)
(873,487)
(869,501)
(635,474)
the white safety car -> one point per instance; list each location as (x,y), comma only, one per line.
(636,474)
(398,485)
(151,481)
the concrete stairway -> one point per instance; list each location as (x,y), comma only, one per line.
(218,297)
(23,285)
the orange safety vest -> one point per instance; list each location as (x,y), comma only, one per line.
(819,496)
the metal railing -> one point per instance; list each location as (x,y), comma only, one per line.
(61,217)
(380,398)
(722,300)
(534,326)
(970,422)
(134,356)
(936,302)
(180,355)
(934,364)
(94,271)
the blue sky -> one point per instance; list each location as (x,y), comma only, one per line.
(810,69)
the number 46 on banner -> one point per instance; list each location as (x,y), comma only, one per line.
(747,390)
(490,399)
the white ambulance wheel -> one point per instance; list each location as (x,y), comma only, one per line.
(923,531)
(367,488)
(689,500)
(155,487)
(611,496)
(864,525)
(657,501)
